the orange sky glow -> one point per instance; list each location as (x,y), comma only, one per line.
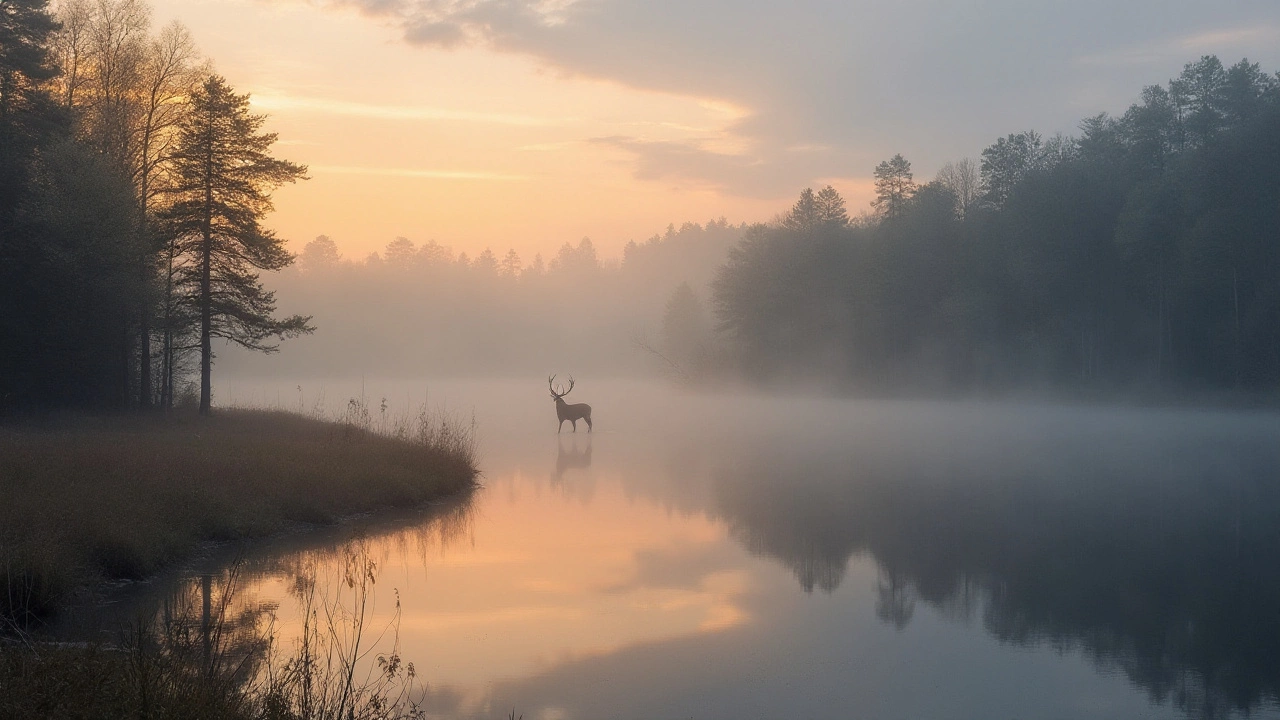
(528,124)
(469,147)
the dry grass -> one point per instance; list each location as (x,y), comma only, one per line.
(83,499)
(221,660)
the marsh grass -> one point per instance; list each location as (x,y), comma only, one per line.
(341,667)
(208,653)
(91,499)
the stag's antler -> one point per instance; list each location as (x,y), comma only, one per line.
(551,379)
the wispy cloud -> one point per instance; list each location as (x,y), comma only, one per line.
(803,86)
(549,146)
(282,101)
(417,173)
(1223,40)
(699,163)
(1231,38)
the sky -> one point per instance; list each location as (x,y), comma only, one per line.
(528,123)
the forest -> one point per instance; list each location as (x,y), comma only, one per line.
(133,180)
(1142,254)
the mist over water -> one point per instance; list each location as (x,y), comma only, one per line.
(743,555)
(808,484)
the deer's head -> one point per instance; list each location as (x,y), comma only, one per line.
(557,396)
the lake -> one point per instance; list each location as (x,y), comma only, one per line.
(753,555)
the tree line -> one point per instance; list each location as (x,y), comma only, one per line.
(1142,253)
(420,306)
(133,180)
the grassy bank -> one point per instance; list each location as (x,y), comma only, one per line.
(86,499)
(210,655)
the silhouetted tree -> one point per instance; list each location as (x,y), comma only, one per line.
(60,236)
(1149,128)
(67,285)
(804,215)
(486,262)
(1246,90)
(224,175)
(319,254)
(1007,162)
(894,186)
(964,181)
(578,260)
(127,90)
(511,264)
(830,207)
(433,253)
(1198,94)
(27,115)
(400,252)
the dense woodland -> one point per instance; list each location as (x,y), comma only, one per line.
(132,183)
(1143,253)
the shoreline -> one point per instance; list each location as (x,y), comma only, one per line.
(92,500)
(106,607)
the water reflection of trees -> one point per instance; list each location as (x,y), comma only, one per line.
(423,531)
(210,634)
(419,531)
(1154,556)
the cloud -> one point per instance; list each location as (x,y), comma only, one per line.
(1185,48)
(693,163)
(1244,37)
(417,173)
(282,101)
(932,79)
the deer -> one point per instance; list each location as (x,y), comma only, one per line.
(565,411)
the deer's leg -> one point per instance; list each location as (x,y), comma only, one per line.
(560,427)
(575,424)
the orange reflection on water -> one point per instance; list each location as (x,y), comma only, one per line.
(546,575)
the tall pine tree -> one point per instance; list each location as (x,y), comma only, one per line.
(894,186)
(224,176)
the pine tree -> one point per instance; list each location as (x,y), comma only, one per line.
(319,254)
(830,206)
(511,264)
(223,179)
(400,252)
(894,186)
(803,216)
(486,262)
(26,117)
(1007,163)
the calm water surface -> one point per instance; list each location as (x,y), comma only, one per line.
(752,556)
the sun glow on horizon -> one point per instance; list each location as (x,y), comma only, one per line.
(469,147)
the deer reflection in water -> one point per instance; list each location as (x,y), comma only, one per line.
(572,459)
